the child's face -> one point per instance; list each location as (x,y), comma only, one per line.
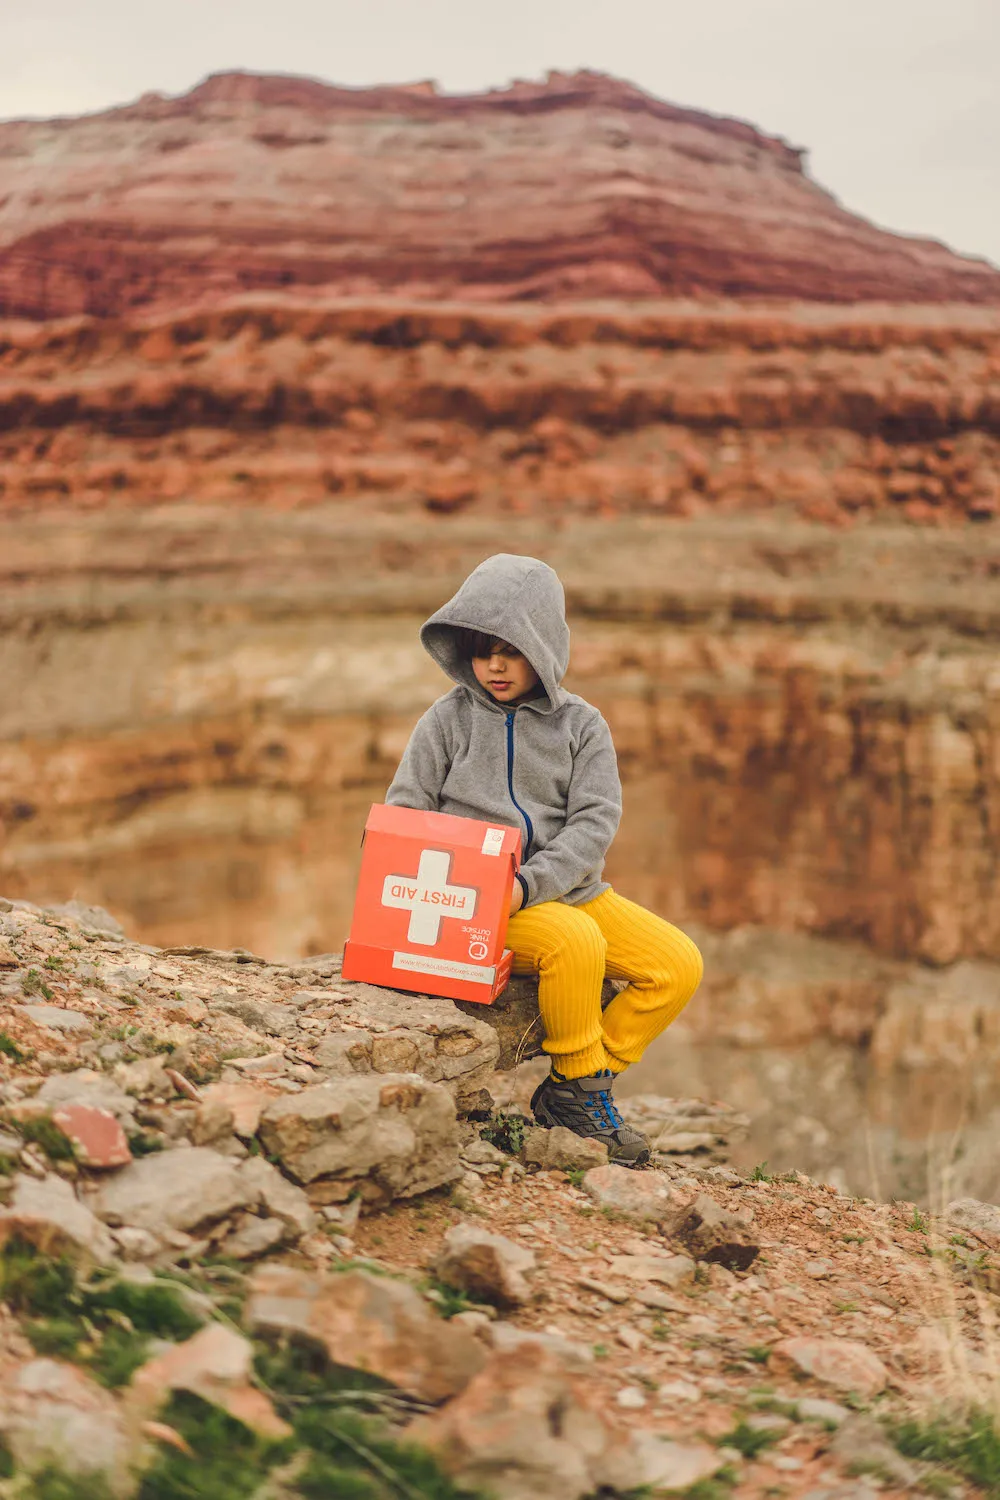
(505,674)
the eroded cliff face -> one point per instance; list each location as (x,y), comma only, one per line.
(203,702)
(393,408)
(807,722)
(581,186)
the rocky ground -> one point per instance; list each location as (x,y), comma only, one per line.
(265,1234)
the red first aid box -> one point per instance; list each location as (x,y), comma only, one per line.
(433,904)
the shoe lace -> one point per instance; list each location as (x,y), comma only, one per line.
(603,1108)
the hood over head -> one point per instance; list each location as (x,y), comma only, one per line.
(515,599)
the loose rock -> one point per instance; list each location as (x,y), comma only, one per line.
(179,1190)
(667,1467)
(841,1362)
(488,1266)
(48,1214)
(53,1415)
(394,1136)
(714,1234)
(559,1150)
(670,1270)
(95,1135)
(981,1221)
(367,1322)
(217,1365)
(644,1196)
(522,1431)
(281,1198)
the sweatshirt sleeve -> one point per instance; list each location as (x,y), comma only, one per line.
(593,812)
(421,772)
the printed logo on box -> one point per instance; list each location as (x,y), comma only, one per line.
(429,897)
(493,841)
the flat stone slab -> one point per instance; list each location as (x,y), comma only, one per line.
(54,1018)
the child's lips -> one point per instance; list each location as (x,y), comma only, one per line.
(497,686)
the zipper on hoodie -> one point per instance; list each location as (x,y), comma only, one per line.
(510,783)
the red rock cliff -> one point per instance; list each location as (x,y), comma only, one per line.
(582,186)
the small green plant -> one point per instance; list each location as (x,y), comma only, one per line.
(958,1239)
(971,1448)
(34,984)
(10,1049)
(748,1440)
(46,1134)
(854,1239)
(601,1351)
(758,1354)
(54,1484)
(718,1487)
(761,1174)
(576,1176)
(143,1143)
(448,1300)
(846,1307)
(54,963)
(918,1224)
(226,1460)
(105,1324)
(505,1131)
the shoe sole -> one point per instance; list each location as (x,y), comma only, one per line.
(543,1117)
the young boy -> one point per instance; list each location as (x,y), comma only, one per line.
(509,745)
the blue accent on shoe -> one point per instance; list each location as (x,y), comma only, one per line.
(510,785)
(603,1102)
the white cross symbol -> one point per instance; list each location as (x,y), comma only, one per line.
(428,897)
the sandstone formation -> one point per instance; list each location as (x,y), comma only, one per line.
(396,409)
(581,186)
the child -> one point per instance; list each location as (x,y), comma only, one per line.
(510,745)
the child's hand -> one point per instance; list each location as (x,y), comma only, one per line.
(516,898)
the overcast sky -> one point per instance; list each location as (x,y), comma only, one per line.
(898,101)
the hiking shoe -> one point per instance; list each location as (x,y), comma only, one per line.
(585,1106)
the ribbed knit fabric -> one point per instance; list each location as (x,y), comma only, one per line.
(572,948)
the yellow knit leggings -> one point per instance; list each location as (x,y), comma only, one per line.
(572,948)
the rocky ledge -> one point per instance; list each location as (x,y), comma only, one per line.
(262,1227)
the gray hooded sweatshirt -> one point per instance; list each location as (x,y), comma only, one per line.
(546,766)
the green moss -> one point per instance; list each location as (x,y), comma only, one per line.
(302,1373)
(352,1456)
(6,1460)
(57,1337)
(55,1484)
(142,1143)
(106,1325)
(228,1461)
(748,1440)
(448,1300)
(971,1448)
(46,1134)
(118,1355)
(10,1049)
(150,1307)
(34,984)
(32,1283)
